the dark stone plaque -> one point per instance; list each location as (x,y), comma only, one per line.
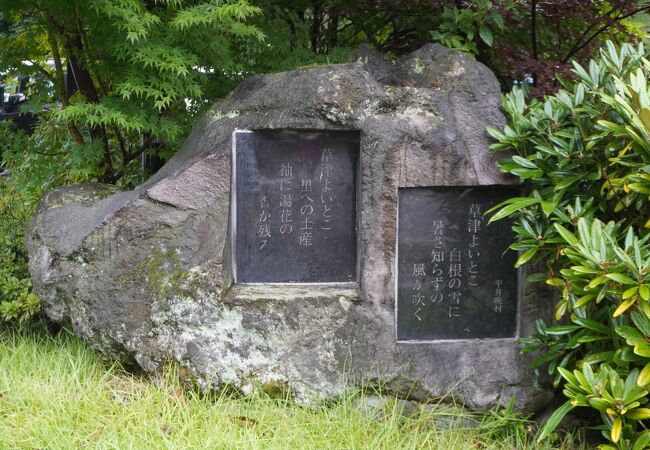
(456,279)
(295,215)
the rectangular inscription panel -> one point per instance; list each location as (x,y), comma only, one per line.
(295,209)
(455,278)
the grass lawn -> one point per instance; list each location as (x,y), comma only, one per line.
(56,394)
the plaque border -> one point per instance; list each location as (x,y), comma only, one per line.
(520,279)
(233,214)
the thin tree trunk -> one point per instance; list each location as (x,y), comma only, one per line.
(59,82)
(315,27)
(333,29)
(87,88)
(533,27)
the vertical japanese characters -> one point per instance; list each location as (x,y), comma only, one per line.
(326,191)
(417,297)
(304,206)
(498,296)
(295,206)
(286,201)
(263,222)
(474,223)
(437,261)
(455,279)
(306,213)
(445,275)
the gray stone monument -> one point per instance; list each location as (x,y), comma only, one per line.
(319,228)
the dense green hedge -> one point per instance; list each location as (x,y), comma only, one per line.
(585,155)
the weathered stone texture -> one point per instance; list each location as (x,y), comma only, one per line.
(145,275)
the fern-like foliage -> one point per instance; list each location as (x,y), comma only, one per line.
(138,65)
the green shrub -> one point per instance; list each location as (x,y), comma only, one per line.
(17,301)
(32,169)
(584,155)
(36,163)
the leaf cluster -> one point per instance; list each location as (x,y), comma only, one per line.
(144,71)
(17,300)
(583,155)
(460,26)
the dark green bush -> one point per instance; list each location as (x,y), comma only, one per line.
(17,301)
(584,153)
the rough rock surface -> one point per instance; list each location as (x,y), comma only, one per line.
(145,275)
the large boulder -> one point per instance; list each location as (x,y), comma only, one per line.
(144,276)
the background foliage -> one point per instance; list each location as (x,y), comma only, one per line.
(146,69)
(142,71)
(141,68)
(520,40)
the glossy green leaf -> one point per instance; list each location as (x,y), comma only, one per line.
(644,292)
(644,376)
(630,292)
(512,206)
(548,207)
(555,420)
(486,35)
(592,325)
(526,256)
(566,234)
(524,162)
(642,441)
(620,278)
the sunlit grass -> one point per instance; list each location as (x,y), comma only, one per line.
(56,394)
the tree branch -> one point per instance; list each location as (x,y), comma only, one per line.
(41,69)
(85,44)
(59,82)
(51,153)
(577,47)
(145,145)
(590,26)
(130,157)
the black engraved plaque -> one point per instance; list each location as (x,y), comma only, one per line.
(456,279)
(295,214)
